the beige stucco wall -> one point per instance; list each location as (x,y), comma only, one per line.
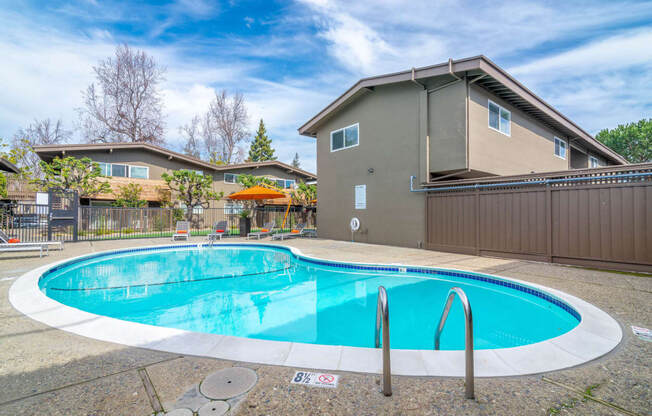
(447,128)
(388,121)
(530,148)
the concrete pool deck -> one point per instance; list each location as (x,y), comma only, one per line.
(48,371)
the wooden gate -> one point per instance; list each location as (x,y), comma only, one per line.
(592,217)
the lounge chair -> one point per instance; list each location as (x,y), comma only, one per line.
(268,229)
(182,232)
(6,244)
(297,231)
(219,230)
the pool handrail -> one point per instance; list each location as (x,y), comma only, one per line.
(468,324)
(382,316)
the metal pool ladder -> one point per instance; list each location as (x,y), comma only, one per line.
(469,333)
(382,316)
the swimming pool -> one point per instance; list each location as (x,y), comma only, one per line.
(271,304)
(268,293)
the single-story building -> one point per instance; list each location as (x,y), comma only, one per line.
(460,119)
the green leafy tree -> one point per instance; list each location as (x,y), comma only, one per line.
(192,189)
(128,196)
(305,194)
(81,175)
(261,148)
(632,140)
(3,185)
(248,181)
(295,162)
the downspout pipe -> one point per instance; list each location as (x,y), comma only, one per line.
(415,80)
(450,69)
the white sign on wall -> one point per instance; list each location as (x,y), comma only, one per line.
(361,197)
(41,198)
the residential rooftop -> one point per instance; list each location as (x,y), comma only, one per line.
(486,74)
(48,152)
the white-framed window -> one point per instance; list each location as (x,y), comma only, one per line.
(119,170)
(289,183)
(124,171)
(230,178)
(500,119)
(560,148)
(360,196)
(233,208)
(139,172)
(345,137)
(105,168)
(593,162)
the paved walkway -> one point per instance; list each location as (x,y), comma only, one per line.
(44,371)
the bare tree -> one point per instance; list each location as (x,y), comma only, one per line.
(228,116)
(191,133)
(40,132)
(126,105)
(210,138)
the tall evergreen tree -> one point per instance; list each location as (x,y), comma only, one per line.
(295,162)
(261,148)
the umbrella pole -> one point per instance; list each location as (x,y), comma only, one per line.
(287,211)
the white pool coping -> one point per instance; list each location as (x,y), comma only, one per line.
(595,335)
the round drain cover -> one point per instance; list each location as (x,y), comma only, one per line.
(213,409)
(179,412)
(228,382)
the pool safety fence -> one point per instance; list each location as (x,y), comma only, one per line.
(30,222)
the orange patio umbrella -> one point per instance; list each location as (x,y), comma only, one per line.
(257,193)
(260,192)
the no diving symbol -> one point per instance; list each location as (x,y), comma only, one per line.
(326,378)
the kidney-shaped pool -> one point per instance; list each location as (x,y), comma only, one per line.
(274,293)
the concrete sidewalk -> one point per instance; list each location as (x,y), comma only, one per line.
(44,371)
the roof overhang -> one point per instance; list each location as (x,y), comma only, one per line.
(7,166)
(495,79)
(49,152)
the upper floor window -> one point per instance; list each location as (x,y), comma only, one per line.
(560,148)
(344,138)
(230,178)
(500,119)
(119,170)
(124,171)
(140,172)
(105,169)
(593,162)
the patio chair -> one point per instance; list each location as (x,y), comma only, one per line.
(182,232)
(268,229)
(219,230)
(9,244)
(297,231)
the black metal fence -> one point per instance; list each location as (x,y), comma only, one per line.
(29,222)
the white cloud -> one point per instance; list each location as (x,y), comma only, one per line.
(614,53)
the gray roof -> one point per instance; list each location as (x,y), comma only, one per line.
(49,150)
(494,78)
(7,166)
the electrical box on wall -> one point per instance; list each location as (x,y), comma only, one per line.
(360,197)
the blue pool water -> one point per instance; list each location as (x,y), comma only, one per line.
(269,293)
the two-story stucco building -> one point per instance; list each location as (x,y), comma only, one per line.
(144,163)
(461,119)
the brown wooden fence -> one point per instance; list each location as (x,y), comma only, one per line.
(591,217)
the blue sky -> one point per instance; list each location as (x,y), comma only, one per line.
(592,60)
